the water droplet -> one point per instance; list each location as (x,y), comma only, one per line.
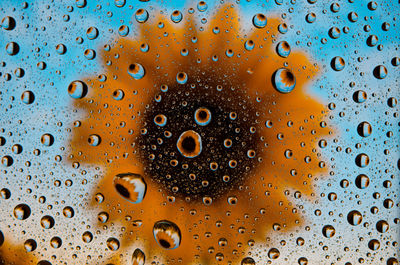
(176,16)
(30,245)
(130,186)
(284,80)
(283,49)
(136,71)
(8,23)
(77,89)
(47,222)
(202,116)
(338,63)
(328,231)
(22,211)
(362,181)
(260,21)
(167,234)
(47,139)
(273,253)
(138,257)
(354,217)
(189,144)
(113,244)
(141,15)
(380,72)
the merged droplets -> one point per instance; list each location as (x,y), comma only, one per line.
(167,234)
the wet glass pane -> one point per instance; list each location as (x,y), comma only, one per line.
(199,132)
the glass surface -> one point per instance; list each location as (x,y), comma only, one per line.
(199,132)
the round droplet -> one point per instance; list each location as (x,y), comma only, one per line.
(181,78)
(374,244)
(273,253)
(28,97)
(30,245)
(353,17)
(311,17)
(334,32)
(328,231)
(202,116)
(138,257)
(87,237)
(47,222)
(260,21)
(130,186)
(92,33)
(123,30)
(302,261)
(360,96)
(61,49)
(118,94)
(284,80)
(283,49)
(136,71)
(382,226)
(248,261)
(364,129)
(90,54)
(94,140)
(167,234)
(5,193)
(113,244)
(22,211)
(77,89)
(160,120)
(354,217)
(249,45)
(12,48)
(47,139)
(380,72)
(176,16)
(141,15)
(372,40)
(68,212)
(202,6)
(362,181)
(119,3)
(56,242)
(189,144)
(7,161)
(8,23)
(338,63)
(362,160)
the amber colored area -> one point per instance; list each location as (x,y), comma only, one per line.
(12,253)
(117,123)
